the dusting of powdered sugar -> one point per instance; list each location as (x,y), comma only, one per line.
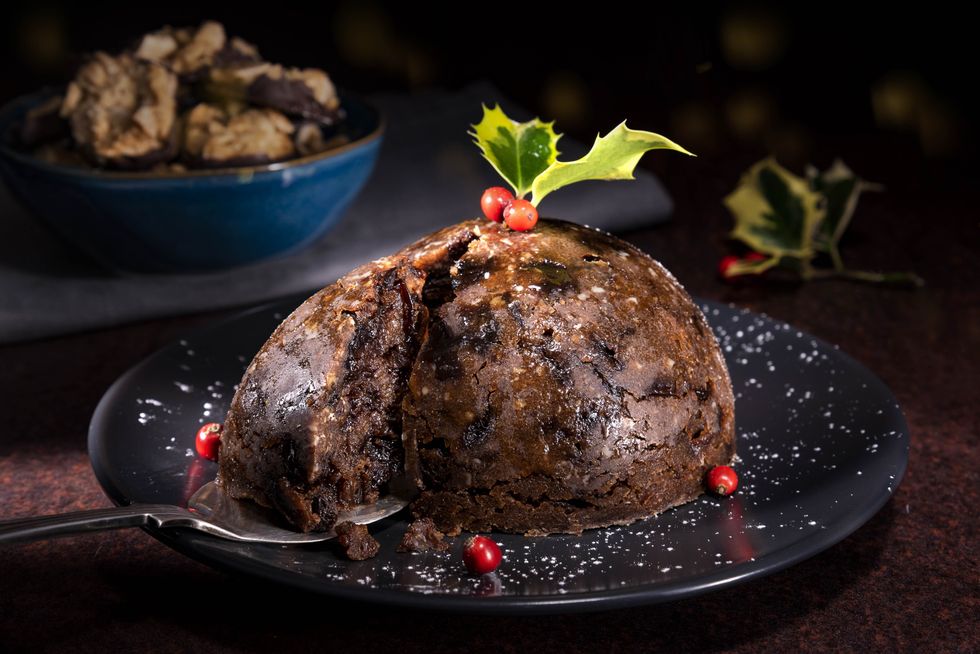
(817,436)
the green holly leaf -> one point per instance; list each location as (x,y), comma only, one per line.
(518,151)
(613,156)
(776,212)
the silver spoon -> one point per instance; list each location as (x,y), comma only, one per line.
(208,510)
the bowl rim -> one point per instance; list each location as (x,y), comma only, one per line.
(235,172)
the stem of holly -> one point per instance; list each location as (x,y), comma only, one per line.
(836,258)
(910,279)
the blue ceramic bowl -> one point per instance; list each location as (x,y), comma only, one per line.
(195,220)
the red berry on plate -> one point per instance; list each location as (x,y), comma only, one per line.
(209,440)
(495,199)
(725,264)
(722,480)
(520,215)
(481,555)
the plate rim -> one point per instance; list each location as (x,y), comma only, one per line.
(586,601)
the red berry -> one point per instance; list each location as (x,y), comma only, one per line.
(495,199)
(209,440)
(726,263)
(520,215)
(481,555)
(730,260)
(722,480)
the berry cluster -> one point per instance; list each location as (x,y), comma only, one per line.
(500,205)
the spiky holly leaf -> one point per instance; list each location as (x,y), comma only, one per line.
(776,212)
(613,156)
(518,151)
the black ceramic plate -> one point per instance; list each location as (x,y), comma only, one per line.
(821,441)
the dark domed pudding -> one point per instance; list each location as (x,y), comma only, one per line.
(547,381)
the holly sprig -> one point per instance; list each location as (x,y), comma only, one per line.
(526,154)
(793,222)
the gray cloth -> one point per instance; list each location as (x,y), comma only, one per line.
(429,174)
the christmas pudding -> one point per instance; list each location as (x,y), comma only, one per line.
(548,381)
(520,376)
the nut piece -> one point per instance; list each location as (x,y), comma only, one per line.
(357,542)
(141,110)
(189,52)
(304,92)
(213,138)
(307,93)
(310,139)
(422,536)
(122,111)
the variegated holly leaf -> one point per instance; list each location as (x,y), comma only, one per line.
(613,156)
(776,212)
(790,220)
(518,151)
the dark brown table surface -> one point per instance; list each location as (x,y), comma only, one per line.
(905,581)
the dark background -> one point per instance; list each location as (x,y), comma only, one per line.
(889,91)
(764,77)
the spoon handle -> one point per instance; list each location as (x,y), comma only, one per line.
(82,522)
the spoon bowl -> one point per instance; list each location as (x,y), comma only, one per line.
(208,510)
(223,516)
